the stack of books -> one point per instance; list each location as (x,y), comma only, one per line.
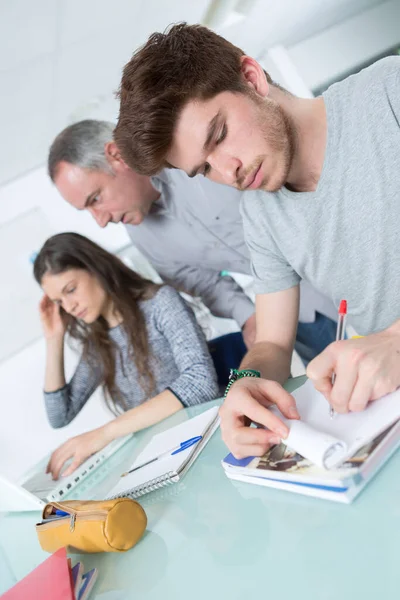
(82,582)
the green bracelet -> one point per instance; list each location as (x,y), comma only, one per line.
(234,375)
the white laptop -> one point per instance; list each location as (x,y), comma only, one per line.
(37,488)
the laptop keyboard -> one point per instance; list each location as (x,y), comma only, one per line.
(43,486)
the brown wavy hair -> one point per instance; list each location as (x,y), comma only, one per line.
(124,287)
(186,62)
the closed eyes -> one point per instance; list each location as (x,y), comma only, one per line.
(206,169)
(223,133)
(94,200)
(220,139)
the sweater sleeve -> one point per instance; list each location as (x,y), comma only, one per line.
(64,404)
(197,380)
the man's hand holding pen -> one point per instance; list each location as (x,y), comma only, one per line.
(365,369)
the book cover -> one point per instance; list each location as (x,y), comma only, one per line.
(77,573)
(287,467)
(51,580)
(88,581)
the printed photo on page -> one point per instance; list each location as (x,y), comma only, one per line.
(282,459)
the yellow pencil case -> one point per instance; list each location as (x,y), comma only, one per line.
(92,526)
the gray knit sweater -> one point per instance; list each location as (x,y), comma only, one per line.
(180,362)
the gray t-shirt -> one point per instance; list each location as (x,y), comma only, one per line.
(193,232)
(344,238)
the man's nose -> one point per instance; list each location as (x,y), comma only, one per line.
(227,167)
(101,218)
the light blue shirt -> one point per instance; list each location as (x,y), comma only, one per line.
(195,231)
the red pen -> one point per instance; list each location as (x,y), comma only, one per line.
(340,333)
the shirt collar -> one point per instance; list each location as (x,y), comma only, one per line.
(161,183)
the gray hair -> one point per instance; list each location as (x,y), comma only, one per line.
(81,144)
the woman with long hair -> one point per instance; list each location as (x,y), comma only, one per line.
(138,339)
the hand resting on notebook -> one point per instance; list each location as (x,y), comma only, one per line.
(247,402)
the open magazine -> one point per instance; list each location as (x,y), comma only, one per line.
(284,468)
(354,446)
(329,442)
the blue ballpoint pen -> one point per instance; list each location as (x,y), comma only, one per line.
(182,446)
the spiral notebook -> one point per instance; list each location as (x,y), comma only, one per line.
(172,468)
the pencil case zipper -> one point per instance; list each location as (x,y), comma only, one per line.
(73,518)
(84,515)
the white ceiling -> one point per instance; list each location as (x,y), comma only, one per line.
(60,60)
(286,22)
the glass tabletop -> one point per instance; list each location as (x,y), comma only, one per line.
(210,537)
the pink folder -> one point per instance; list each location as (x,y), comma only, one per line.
(51,580)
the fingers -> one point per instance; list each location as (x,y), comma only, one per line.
(44,304)
(361,394)
(248,400)
(251,441)
(252,450)
(345,380)
(352,388)
(325,387)
(245,404)
(259,414)
(271,392)
(74,465)
(256,436)
(331,363)
(322,367)
(58,458)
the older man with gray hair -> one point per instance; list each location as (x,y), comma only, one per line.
(189,230)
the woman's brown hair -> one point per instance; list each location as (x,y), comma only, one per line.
(187,62)
(124,287)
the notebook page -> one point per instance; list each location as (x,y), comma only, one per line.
(317,434)
(162,442)
(321,448)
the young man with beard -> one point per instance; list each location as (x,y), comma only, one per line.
(322,182)
(189,230)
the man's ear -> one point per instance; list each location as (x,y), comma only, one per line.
(254,76)
(114,157)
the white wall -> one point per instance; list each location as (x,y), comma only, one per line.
(333,53)
(58,56)
(25,435)
(257,25)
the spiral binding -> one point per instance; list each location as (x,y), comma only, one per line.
(149,486)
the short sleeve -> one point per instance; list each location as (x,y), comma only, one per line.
(392,84)
(270,269)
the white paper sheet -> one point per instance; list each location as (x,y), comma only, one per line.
(328,442)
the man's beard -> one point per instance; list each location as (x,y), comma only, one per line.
(280,136)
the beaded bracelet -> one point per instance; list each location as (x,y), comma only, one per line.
(234,375)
